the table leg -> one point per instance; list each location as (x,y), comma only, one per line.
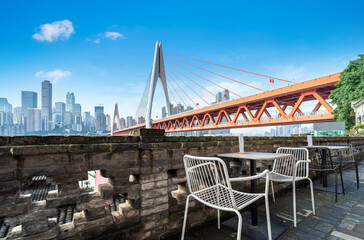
(324,161)
(253,188)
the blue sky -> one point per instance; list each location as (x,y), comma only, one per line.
(103,50)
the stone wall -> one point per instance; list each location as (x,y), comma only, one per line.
(146,176)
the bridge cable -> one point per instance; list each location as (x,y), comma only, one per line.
(218,74)
(141,110)
(237,69)
(202,78)
(181,89)
(164,77)
(188,86)
(176,92)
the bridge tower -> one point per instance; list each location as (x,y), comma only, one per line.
(158,72)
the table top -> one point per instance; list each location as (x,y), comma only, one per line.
(254,155)
(327,147)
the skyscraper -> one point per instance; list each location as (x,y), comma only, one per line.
(108,122)
(99,109)
(77,108)
(29,99)
(47,100)
(5,106)
(34,121)
(123,123)
(70,102)
(19,115)
(100,122)
(87,121)
(68,119)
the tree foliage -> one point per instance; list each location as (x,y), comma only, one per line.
(350,88)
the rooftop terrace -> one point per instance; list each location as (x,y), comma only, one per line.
(146,192)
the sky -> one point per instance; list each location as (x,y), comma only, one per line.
(103,50)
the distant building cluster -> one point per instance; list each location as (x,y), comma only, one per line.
(62,118)
(179,108)
(288,130)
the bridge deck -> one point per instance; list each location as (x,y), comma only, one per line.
(252,108)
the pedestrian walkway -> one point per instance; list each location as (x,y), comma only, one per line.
(333,221)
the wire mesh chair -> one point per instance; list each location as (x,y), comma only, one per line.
(292,169)
(347,156)
(209,183)
(317,164)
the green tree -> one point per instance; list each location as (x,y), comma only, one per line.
(349,88)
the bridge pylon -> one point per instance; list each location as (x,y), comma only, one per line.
(158,72)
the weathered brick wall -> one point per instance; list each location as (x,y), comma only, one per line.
(155,194)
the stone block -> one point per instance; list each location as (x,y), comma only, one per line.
(144,178)
(106,190)
(35,226)
(96,212)
(154,193)
(155,209)
(10,186)
(83,226)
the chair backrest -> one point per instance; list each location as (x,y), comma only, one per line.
(285,166)
(346,154)
(206,172)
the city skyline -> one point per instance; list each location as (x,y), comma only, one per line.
(110,57)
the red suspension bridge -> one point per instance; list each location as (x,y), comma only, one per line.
(266,108)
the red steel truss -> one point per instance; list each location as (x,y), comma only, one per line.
(255,110)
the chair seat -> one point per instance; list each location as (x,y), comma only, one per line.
(282,178)
(218,196)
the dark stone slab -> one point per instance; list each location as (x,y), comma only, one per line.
(260,231)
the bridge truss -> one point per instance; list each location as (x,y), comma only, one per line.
(276,107)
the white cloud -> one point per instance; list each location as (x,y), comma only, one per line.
(97,41)
(114,35)
(55,75)
(54,31)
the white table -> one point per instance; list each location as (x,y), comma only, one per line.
(253,157)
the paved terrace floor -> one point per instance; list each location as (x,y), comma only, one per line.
(333,221)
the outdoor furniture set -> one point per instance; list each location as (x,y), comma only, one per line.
(209,182)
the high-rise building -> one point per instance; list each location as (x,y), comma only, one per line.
(222,96)
(108,122)
(70,102)
(19,115)
(164,112)
(87,121)
(99,109)
(47,100)
(5,106)
(77,108)
(77,123)
(100,122)
(129,121)
(29,99)
(59,110)
(34,120)
(141,120)
(122,122)
(68,119)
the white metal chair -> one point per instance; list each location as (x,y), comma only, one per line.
(292,169)
(209,183)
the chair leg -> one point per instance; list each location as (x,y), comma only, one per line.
(218,219)
(294,205)
(268,218)
(335,186)
(342,180)
(240,224)
(185,218)
(312,197)
(357,174)
(274,199)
